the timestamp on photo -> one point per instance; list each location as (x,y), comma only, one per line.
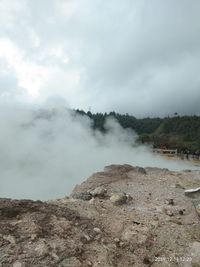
(173,258)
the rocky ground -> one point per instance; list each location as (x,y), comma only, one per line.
(124,216)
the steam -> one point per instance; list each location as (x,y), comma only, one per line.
(45,152)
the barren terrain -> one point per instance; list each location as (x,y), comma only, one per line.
(123,216)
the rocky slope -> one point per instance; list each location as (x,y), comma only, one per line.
(124,216)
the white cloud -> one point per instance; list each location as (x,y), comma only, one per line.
(30,76)
(98,53)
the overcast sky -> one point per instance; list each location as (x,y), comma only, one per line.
(133,56)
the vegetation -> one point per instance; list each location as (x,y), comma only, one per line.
(181,132)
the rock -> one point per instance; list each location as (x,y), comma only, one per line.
(33,237)
(92,201)
(83,195)
(17,264)
(195,254)
(122,244)
(176,221)
(169,201)
(55,256)
(129,198)
(41,249)
(178,185)
(167,211)
(116,240)
(70,262)
(97,230)
(135,234)
(187,170)
(198,209)
(146,260)
(119,168)
(98,192)
(9,238)
(85,238)
(119,199)
(141,170)
(193,193)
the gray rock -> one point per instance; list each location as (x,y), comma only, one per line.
(167,211)
(169,201)
(129,198)
(97,230)
(83,195)
(70,262)
(141,170)
(193,193)
(85,238)
(98,192)
(187,170)
(195,254)
(178,185)
(9,238)
(119,199)
(198,209)
(17,264)
(41,249)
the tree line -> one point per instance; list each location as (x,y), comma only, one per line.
(177,132)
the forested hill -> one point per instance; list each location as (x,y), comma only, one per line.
(181,132)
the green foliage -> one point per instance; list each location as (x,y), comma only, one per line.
(178,132)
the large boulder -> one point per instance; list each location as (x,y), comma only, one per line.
(82,195)
(99,192)
(119,199)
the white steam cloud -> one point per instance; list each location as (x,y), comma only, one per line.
(45,153)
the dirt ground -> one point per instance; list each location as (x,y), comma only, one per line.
(123,216)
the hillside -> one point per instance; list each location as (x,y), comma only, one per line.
(124,216)
(181,132)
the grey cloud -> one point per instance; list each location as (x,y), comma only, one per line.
(135,56)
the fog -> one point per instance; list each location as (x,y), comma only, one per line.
(47,150)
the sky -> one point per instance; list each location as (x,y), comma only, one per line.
(133,56)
